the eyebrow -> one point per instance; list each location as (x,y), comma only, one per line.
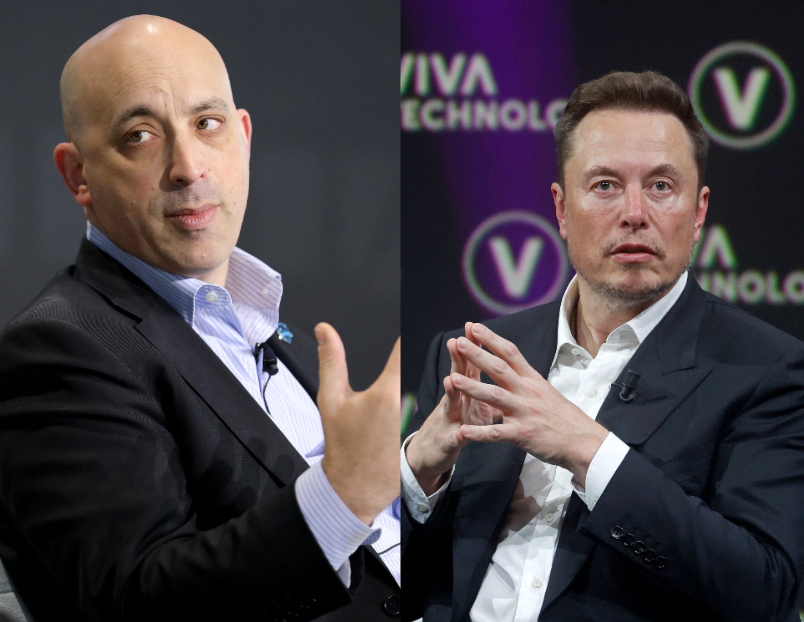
(600,170)
(607,171)
(139,110)
(213,103)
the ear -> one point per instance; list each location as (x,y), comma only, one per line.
(70,163)
(245,128)
(561,209)
(700,212)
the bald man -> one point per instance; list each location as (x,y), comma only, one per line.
(162,454)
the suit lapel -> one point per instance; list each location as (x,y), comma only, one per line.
(487,476)
(167,331)
(669,372)
(178,343)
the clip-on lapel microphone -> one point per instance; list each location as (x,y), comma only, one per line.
(628,386)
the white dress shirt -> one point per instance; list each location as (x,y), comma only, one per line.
(516,579)
(231,320)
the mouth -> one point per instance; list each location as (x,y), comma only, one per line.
(633,253)
(193,218)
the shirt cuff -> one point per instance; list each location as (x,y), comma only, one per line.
(605,462)
(419,505)
(338,532)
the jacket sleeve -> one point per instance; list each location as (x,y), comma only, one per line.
(737,544)
(427,547)
(93,488)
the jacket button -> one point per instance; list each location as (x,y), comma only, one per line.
(392,606)
(639,547)
(617,533)
(661,562)
(628,540)
(649,556)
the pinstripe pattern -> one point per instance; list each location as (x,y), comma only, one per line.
(231,321)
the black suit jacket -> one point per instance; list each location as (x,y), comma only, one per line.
(703,520)
(140,481)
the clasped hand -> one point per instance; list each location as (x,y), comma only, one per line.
(534,415)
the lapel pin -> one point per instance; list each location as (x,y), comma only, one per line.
(283,333)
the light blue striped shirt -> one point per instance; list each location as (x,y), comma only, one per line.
(231,321)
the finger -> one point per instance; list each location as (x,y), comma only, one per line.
(471,370)
(490,394)
(452,399)
(497,369)
(488,433)
(333,374)
(450,390)
(504,349)
(457,362)
(469,335)
(482,414)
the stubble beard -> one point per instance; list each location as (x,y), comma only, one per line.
(616,297)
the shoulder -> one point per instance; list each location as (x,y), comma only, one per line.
(728,332)
(67,301)
(71,326)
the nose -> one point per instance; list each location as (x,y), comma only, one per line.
(634,214)
(186,161)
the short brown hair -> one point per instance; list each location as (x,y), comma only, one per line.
(647,91)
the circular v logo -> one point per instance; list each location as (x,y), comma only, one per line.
(743,93)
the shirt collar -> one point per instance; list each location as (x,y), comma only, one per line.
(639,327)
(249,281)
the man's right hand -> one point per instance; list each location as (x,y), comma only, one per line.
(361,429)
(434,450)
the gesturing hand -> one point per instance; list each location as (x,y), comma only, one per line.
(361,455)
(435,449)
(536,417)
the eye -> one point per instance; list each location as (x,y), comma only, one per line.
(605,186)
(661,186)
(208,124)
(139,136)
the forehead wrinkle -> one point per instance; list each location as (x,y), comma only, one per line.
(112,65)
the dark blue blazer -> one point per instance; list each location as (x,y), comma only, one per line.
(703,520)
(140,481)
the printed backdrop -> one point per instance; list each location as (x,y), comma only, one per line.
(482,85)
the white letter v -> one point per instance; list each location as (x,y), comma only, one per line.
(741,108)
(516,278)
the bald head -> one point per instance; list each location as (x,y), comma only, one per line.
(158,153)
(121,57)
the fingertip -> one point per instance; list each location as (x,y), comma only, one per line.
(322,331)
(449,387)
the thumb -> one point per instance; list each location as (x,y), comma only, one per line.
(392,374)
(333,375)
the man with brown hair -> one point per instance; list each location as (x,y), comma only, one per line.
(676,419)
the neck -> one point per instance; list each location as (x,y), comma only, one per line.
(594,318)
(217,276)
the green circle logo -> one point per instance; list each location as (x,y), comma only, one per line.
(742,104)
